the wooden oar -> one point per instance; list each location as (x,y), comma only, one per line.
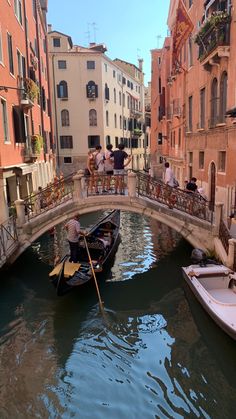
(94,277)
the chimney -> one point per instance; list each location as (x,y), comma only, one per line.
(140,64)
(49,28)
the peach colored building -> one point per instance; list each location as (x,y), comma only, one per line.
(25,127)
(199,139)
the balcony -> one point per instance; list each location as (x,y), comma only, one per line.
(213,39)
(29,92)
(33,148)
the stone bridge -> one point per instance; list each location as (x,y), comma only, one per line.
(186,214)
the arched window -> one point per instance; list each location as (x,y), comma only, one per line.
(214,100)
(107,119)
(92,90)
(115,120)
(114,93)
(65,118)
(93,118)
(62,90)
(223,96)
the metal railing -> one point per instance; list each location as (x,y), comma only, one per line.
(106,184)
(8,238)
(174,198)
(54,194)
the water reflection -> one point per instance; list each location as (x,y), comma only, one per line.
(155,354)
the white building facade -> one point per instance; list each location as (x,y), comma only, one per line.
(95,101)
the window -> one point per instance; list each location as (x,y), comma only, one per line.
(214,103)
(67,160)
(10,53)
(201,159)
(114,94)
(1,52)
(4,120)
(107,118)
(115,120)
(124,123)
(108,139)
(128,83)
(128,102)
(120,122)
(179,141)
(92,90)
(93,118)
(91,65)
(123,80)
(19,125)
(223,96)
(202,107)
(123,99)
(116,142)
(93,141)
(107,94)
(105,66)
(114,74)
(56,42)
(65,118)
(18,10)
(62,64)
(34,8)
(120,98)
(190,3)
(221,161)
(190,51)
(62,90)
(190,113)
(66,141)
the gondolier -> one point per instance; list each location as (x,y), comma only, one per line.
(73,232)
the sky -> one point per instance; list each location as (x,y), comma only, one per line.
(128,28)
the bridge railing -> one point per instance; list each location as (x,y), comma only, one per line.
(176,198)
(53,195)
(104,184)
(8,238)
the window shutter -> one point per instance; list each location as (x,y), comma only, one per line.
(96,90)
(19,125)
(58,91)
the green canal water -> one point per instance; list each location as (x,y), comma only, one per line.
(155,353)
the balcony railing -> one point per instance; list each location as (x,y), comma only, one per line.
(29,92)
(214,33)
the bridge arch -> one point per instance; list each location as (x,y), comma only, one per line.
(197,232)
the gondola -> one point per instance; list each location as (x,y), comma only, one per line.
(102,241)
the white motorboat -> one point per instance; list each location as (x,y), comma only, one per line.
(215,288)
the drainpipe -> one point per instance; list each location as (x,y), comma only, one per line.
(27,62)
(49,90)
(40,74)
(55,111)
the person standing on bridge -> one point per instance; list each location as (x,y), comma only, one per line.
(119,167)
(73,232)
(169,175)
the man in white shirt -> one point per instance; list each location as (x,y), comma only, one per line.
(169,175)
(73,232)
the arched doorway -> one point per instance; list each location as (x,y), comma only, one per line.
(212,186)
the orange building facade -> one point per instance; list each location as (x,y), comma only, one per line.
(193,124)
(25,125)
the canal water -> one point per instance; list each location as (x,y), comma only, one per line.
(155,353)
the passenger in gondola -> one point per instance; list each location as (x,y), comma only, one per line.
(73,232)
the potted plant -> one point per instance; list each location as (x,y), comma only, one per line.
(31,89)
(138,132)
(37,143)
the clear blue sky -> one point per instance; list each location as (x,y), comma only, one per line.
(129,28)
